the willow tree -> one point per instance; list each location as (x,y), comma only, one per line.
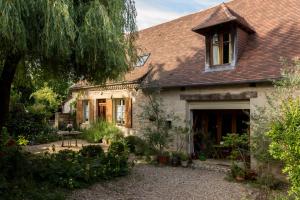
(89,39)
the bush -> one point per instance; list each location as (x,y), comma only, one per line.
(32,126)
(92,151)
(101,130)
(117,148)
(285,145)
(22,173)
(137,145)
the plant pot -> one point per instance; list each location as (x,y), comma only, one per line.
(240,178)
(175,161)
(163,160)
(202,157)
(184,163)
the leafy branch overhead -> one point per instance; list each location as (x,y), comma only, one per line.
(93,38)
(65,40)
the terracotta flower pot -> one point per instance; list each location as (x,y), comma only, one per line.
(240,178)
(163,160)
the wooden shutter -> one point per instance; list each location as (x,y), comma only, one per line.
(109,110)
(128,113)
(79,112)
(91,111)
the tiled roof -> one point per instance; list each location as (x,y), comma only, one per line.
(178,54)
(222,14)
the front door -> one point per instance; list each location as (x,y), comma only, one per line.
(102,109)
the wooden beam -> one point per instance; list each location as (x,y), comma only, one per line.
(219,96)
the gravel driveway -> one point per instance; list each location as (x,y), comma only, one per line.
(150,182)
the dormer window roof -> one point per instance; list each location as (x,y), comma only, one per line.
(223,15)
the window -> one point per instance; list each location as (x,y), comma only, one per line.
(221,49)
(120,111)
(85,110)
(142,60)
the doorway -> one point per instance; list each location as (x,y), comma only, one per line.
(210,126)
(101,109)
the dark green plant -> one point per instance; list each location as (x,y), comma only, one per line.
(118,148)
(92,151)
(239,145)
(138,146)
(22,173)
(100,130)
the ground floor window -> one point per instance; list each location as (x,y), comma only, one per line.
(85,110)
(120,111)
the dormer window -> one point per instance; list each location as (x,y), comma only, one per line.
(226,34)
(220,49)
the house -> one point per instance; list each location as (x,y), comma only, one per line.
(212,67)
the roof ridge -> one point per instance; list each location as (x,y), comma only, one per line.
(188,15)
(227,11)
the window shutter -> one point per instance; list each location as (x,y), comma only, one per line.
(109,110)
(91,113)
(128,113)
(79,112)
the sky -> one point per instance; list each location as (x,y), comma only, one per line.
(153,12)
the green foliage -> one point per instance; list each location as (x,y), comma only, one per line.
(239,145)
(32,126)
(237,171)
(45,101)
(25,176)
(156,131)
(285,145)
(92,151)
(275,126)
(138,146)
(78,38)
(181,155)
(102,130)
(117,148)
(22,141)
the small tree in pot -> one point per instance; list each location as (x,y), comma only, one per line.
(157,126)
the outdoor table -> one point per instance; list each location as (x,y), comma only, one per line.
(69,134)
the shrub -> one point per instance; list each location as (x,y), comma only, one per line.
(32,126)
(101,130)
(117,148)
(92,151)
(22,173)
(285,145)
(137,145)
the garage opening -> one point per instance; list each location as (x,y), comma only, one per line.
(209,127)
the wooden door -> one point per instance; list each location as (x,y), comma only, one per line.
(102,109)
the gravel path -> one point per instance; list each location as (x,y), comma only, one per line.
(150,182)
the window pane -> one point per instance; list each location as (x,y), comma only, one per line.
(85,111)
(142,60)
(216,50)
(226,48)
(120,111)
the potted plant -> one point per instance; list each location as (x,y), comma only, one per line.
(202,156)
(163,158)
(184,159)
(175,159)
